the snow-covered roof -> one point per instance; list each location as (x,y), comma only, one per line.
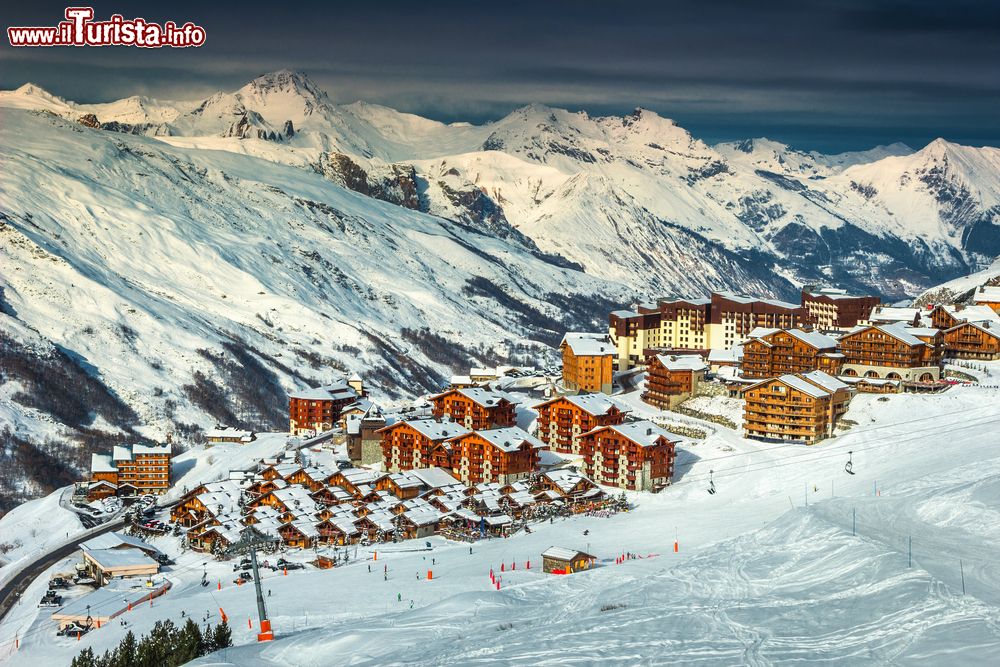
(589,344)
(435,478)
(594,404)
(684,362)
(109,559)
(804,386)
(423,517)
(695,301)
(825,380)
(972,313)
(902,332)
(511,438)
(163,448)
(625,314)
(565,479)
(987,294)
(989,328)
(835,293)
(498,520)
(435,430)
(101,463)
(897,330)
(644,433)
(732,355)
(739,298)
(335,391)
(893,314)
(116,540)
(562,553)
(484,397)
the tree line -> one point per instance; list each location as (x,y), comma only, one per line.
(165,646)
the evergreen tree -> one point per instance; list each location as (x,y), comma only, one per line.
(189,643)
(125,654)
(223,636)
(208,640)
(85,659)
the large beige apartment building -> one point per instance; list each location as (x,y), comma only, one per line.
(715,323)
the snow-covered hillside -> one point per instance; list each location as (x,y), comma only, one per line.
(192,285)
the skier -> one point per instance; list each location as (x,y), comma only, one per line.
(268,592)
(470,551)
(385,577)
(369,569)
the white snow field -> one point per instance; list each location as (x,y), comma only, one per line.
(769,569)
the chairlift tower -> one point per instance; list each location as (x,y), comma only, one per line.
(250,540)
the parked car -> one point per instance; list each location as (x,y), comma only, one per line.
(283,564)
(51,599)
(242,565)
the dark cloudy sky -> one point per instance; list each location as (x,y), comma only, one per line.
(830,75)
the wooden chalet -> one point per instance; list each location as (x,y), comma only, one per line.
(339,530)
(636,455)
(569,484)
(560,560)
(400,484)
(769,353)
(474,408)
(298,534)
(893,351)
(588,362)
(494,455)
(563,420)
(419,523)
(801,408)
(407,444)
(312,411)
(973,340)
(671,379)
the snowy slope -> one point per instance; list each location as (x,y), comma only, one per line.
(771,569)
(960,289)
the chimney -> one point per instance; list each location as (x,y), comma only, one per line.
(649,431)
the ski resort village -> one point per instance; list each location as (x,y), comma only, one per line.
(499,342)
(815,420)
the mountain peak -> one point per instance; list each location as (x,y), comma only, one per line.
(286,81)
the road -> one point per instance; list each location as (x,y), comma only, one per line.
(13,589)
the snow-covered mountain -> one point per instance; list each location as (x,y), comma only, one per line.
(162,253)
(150,288)
(618,196)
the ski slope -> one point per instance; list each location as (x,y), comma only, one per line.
(768,571)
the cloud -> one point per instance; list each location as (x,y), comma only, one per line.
(881,71)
